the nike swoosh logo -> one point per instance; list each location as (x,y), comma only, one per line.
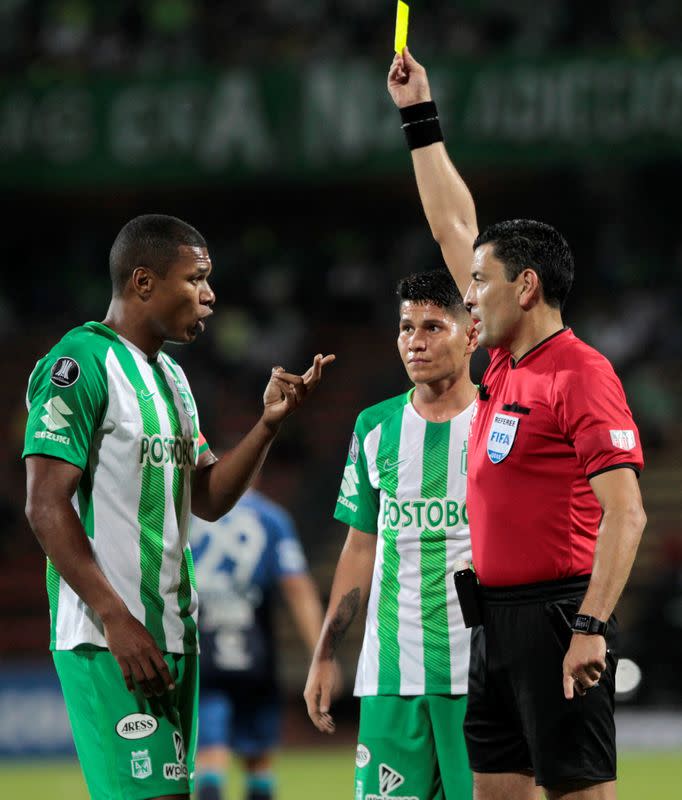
(388,466)
(144,395)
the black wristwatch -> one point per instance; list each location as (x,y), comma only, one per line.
(582,623)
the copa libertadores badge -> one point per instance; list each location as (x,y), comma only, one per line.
(354,448)
(65,372)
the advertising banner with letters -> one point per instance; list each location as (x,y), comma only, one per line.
(33,718)
(325,119)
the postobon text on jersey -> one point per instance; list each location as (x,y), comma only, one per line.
(434,514)
(159,450)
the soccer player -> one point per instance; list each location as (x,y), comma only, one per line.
(554,505)
(115,462)
(403,496)
(242,560)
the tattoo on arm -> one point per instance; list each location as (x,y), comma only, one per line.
(345,614)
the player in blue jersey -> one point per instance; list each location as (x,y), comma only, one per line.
(242,561)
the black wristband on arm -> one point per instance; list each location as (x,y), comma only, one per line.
(421,125)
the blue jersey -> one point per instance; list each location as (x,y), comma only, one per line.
(239,562)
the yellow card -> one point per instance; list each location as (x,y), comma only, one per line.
(401,19)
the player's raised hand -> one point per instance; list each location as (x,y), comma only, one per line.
(137,654)
(407,81)
(286,391)
(324,683)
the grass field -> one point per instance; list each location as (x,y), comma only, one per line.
(311,774)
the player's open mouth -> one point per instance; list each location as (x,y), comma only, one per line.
(200,327)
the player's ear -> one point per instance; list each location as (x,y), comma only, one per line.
(142,281)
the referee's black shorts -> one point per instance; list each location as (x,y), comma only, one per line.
(517,718)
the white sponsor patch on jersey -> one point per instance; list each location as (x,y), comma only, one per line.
(136,726)
(57,411)
(624,440)
(350,480)
(362,756)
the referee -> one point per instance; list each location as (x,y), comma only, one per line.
(554,505)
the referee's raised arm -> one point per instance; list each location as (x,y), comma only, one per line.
(447,202)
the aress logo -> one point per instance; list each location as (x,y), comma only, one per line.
(136,726)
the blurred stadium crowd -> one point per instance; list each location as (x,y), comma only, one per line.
(85,35)
(303,267)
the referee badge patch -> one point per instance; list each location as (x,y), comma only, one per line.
(501,436)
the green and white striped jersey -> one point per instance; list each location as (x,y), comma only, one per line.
(131,424)
(405,479)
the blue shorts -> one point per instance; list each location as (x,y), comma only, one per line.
(249,724)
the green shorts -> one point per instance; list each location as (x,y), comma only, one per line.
(130,747)
(412,748)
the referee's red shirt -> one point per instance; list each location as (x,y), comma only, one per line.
(541,429)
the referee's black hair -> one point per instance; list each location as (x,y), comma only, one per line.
(523,243)
(435,286)
(150,240)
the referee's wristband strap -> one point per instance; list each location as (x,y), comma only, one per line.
(421,124)
(583,623)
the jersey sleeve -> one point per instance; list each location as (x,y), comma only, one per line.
(358,502)
(289,556)
(67,399)
(203,444)
(594,415)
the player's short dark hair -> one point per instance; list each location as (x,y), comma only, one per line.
(435,286)
(523,243)
(150,240)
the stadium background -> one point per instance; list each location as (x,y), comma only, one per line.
(267,125)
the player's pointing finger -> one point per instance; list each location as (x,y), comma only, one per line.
(289,377)
(313,374)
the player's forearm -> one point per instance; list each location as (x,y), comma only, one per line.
(217,487)
(304,602)
(619,535)
(60,533)
(350,591)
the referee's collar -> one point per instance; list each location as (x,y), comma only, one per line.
(515,364)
